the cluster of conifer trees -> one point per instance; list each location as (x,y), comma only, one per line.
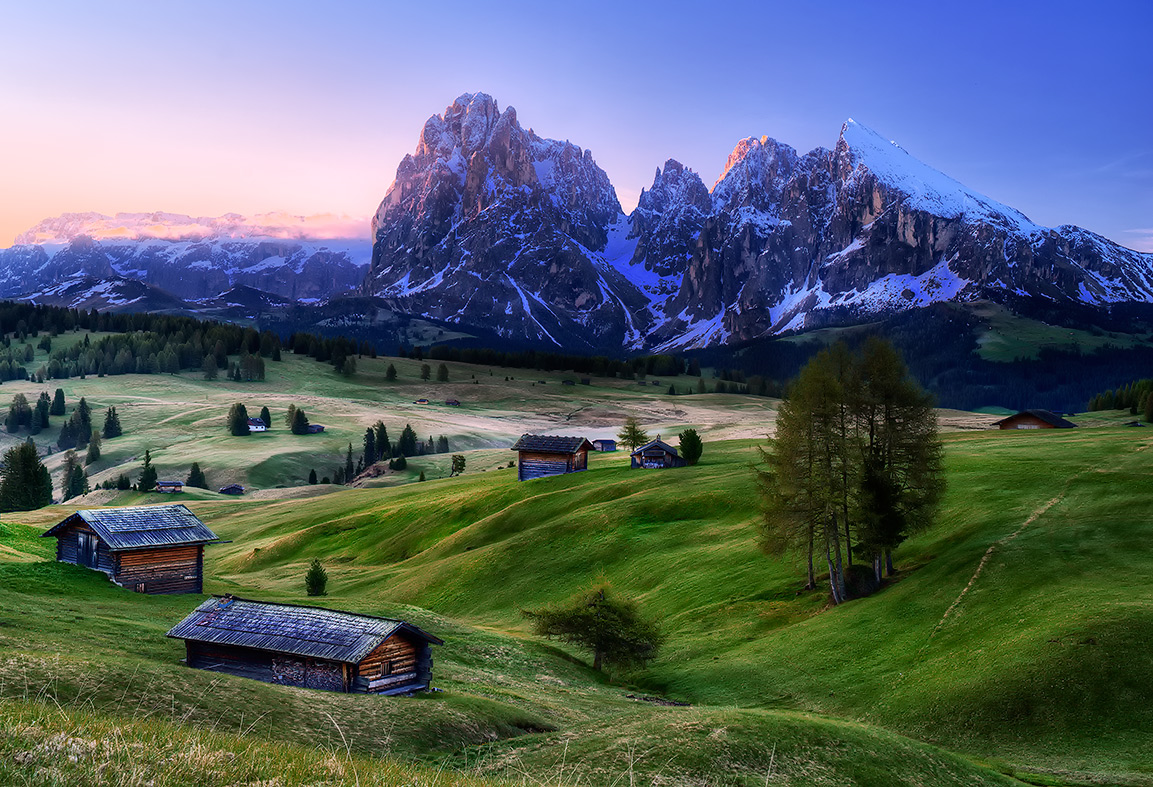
(1136,397)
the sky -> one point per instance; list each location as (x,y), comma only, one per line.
(307,108)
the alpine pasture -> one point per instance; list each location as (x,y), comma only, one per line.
(1010,647)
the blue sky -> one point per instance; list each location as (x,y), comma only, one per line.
(252,107)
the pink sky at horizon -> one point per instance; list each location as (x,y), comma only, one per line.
(296,108)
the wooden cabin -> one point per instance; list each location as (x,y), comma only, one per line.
(149,549)
(232,489)
(315,428)
(545,455)
(312,647)
(257,425)
(656,454)
(605,445)
(1034,419)
(169,487)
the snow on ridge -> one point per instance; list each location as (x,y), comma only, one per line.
(928,189)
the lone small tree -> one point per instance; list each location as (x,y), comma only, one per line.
(147,480)
(196,477)
(600,620)
(312,477)
(112,424)
(316,580)
(691,446)
(442,373)
(457,465)
(632,435)
(93,448)
(299,422)
(238,420)
(390,374)
(425,371)
(266,417)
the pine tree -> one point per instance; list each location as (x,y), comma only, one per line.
(442,373)
(84,414)
(383,446)
(442,445)
(112,424)
(312,477)
(147,480)
(691,446)
(390,374)
(421,476)
(43,410)
(349,466)
(700,385)
(196,477)
(238,420)
(631,435)
(71,462)
(210,368)
(290,415)
(425,371)
(407,441)
(93,448)
(24,480)
(316,580)
(58,402)
(266,417)
(369,447)
(299,421)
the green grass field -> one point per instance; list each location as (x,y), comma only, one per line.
(1011,647)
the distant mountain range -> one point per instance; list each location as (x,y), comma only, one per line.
(495,230)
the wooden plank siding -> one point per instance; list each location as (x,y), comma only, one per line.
(532,464)
(280,668)
(165,570)
(395,663)
(68,550)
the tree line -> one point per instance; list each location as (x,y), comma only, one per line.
(1136,397)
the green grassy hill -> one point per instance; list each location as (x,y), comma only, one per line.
(1012,641)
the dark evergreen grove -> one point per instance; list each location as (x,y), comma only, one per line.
(24,480)
(855,467)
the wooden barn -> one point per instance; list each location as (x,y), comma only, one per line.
(1034,419)
(605,445)
(232,489)
(656,454)
(170,487)
(312,647)
(149,549)
(545,455)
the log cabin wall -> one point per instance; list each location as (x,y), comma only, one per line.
(533,464)
(1025,421)
(396,663)
(165,570)
(68,549)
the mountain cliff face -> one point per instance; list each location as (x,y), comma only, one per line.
(189,258)
(489,224)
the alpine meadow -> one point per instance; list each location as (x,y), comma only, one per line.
(362,429)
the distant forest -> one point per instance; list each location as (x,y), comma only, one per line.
(938,343)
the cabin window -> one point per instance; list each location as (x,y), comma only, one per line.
(385,668)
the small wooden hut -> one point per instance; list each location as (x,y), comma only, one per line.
(169,487)
(605,445)
(149,549)
(312,647)
(656,454)
(1034,419)
(546,455)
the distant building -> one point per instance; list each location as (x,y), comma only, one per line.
(452,403)
(232,489)
(545,455)
(315,428)
(421,401)
(149,549)
(169,487)
(1034,419)
(656,454)
(312,647)
(568,382)
(257,425)
(605,445)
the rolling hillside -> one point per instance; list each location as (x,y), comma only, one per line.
(1013,636)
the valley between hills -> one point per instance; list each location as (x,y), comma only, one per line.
(1010,647)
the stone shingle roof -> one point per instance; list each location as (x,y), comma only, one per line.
(314,632)
(141,527)
(552,444)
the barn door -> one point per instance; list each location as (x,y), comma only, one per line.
(86,550)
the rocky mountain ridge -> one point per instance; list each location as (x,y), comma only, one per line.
(471,232)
